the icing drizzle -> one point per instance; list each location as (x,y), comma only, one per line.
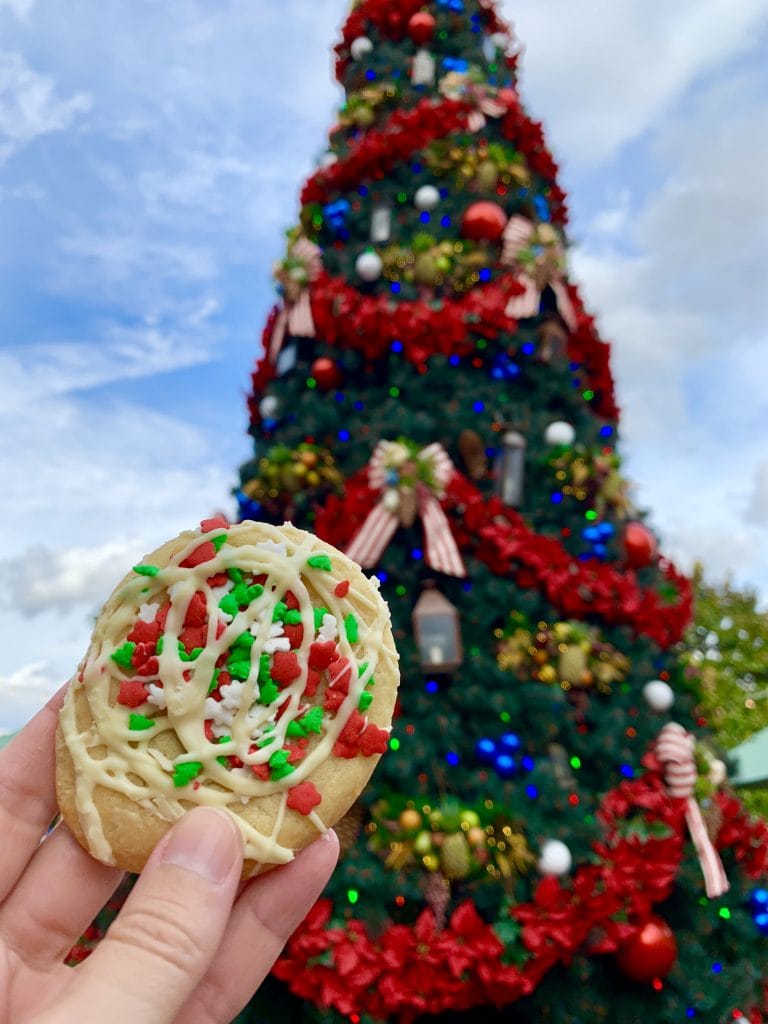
(225,650)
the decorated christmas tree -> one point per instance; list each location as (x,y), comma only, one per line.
(552,827)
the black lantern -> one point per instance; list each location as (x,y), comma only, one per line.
(510,468)
(437,629)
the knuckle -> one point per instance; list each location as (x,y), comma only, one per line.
(161,929)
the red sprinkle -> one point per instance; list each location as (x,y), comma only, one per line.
(285,667)
(217,523)
(313,681)
(261,771)
(132,693)
(333,699)
(203,553)
(141,654)
(374,740)
(162,615)
(197,611)
(218,580)
(342,589)
(145,633)
(220,627)
(303,798)
(194,637)
(321,654)
(295,634)
(296,751)
(340,674)
(151,667)
(291,600)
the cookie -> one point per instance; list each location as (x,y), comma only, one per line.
(246,667)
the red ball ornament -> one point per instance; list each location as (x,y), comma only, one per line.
(650,953)
(483,222)
(421,27)
(325,372)
(639,545)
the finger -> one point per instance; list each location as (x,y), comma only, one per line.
(55,900)
(27,792)
(162,942)
(265,916)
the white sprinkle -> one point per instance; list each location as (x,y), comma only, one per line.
(232,694)
(220,730)
(156,695)
(147,612)
(276,629)
(329,629)
(219,714)
(271,545)
(277,644)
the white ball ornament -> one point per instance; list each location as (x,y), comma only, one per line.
(328,160)
(555,858)
(268,407)
(427,197)
(559,432)
(659,696)
(360,47)
(369,266)
(500,40)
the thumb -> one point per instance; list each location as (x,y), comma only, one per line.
(161,944)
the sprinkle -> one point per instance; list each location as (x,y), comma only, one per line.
(313,720)
(219,542)
(295,729)
(321,655)
(228,604)
(265,741)
(268,693)
(292,617)
(156,695)
(280,643)
(160,645)
(147,612)
(203,553)
(216,523)
(320,562)
(366,699)
(132,693)
(278,765)
(138,723)
(285,667)
(279,548)
(352,630)
(239,669)
(320,614)
(264,676)
(329,628)
(279,613)
(303,798)
(122,656)
(183,774)
(342,589)
(146,570)
(214,680)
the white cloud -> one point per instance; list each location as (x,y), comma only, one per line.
(29,107)
(20,8)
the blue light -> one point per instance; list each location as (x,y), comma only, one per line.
(416,168)
(556,498)
(542,207)
(490,453)
(466,586)
(628,771)
(454,360)
(397,346)
(344,435)
(606,431)
(417,554)
(381,576)
(531,792)
(716,968)
(690,1012)
(456,64)
(478,406)
(528,348)
(452,758)
(759,897)
(395,287)
(359,406)
(425,216)
(339,396)
(431,686)
(505,766)
(574,366)
(528,763)
(370,74)
(510,741)
(485,274)
(445,221)
(249,509)
(485,749)
(363,191)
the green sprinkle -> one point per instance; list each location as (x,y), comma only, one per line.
(122,656)
(313,720)
(236,575)
(214,680)
(255,590)
(295,729)
(193,654)
(320,562)
(160,644)
(320,614)
(146,570)
(138,723)
(239,669)
(278,765)
(351,626)
(293,617)
(183,774)
(219,542)
(366,699)
(264,676)
(265,741)
(228,604)
(279,613)
(244,643)
(225,739)
(223,761)
(268,693)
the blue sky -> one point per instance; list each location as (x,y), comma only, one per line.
(150,158)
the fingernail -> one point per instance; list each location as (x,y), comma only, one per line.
(205,841)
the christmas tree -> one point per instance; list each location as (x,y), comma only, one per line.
(434,399)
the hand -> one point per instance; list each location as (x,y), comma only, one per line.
(185,948)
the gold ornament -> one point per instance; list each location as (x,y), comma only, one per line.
(547,674)
(410,819)
(455,856)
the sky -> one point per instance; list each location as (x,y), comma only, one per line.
(150,160)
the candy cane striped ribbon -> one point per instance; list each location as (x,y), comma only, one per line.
(517,235)
(296,317)
(440,550)
(674,748)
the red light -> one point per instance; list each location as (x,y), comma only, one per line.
(664,675)
(565,532)
(410,729)
(573,800)
(400,900)
(502,190)
(658,984)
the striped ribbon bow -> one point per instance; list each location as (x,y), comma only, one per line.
(296,315)
(518,235)
(674,748)
(370,542)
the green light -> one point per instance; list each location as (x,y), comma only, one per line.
(394,392)
(317,220)
(474,652)
(353,896)
(400,590)
(725,913)
(493,68)
(588,395)
(589,819)
(703,901)
(591,514)
(394,744)
(482,343)
(402,197)
(442,34)
(575,762)
(311,383)
(505,716)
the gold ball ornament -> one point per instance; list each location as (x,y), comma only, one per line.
(425,269)
(455,857)
(410,819)
(476,836)
(309,459)
(487,176)
(547,674)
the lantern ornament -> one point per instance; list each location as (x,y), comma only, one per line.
(437,629)
(510,468)
(381,223)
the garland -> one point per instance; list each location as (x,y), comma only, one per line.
(392,23)
(264,371)
(412,969)
(498,536)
